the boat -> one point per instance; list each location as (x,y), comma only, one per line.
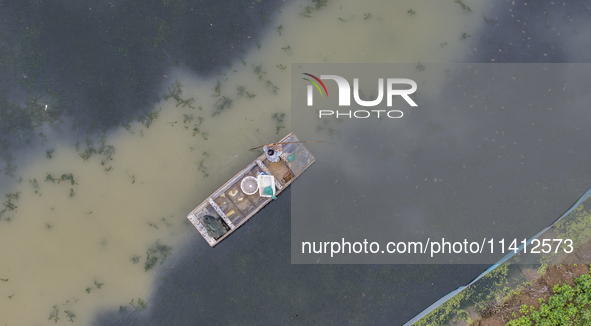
(234,203)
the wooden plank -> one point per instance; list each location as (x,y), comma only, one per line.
(221,213)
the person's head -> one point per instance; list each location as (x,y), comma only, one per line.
(271,152)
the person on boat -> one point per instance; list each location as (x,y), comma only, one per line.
(273,152)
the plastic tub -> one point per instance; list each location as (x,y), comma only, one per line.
(265,181)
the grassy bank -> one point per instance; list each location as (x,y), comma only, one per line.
(547,291)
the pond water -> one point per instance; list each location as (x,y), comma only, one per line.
(95,230)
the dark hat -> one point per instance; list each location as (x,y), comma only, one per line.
(271,152)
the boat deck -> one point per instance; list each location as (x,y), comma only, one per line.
(231,207)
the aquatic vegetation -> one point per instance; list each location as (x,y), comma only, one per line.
(259,71)
(9,205)
(187,118)
(491,21)
(98,285)
(89,149)
(162,30)
(126,125)
(202,168)
(14,196)
(90,152)
(307,12)
(150,261)
(286,48)
(575,226)
(221,104)
(155,253)
(217,90)
(150,116)
(542,269)
(278,117)
(174,92)
(196,131)
(282,67)
(9,168)
(122,308)
(141,304)
(186,103)
(70,315)
(64,177)
(366,16)
(106,150)
(135,259)
(273,87)
(463,5)
(465,36)
(54,314)
(264,17)
(86,154)
(4,279)
(23,59)
(278,29)
(411,12)
(318,4)
(420,67)
(483,291)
